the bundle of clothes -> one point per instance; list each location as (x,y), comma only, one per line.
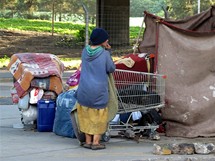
(36,76)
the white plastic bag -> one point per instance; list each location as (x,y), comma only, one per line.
(115,120)
(136,115)
(29,115)
(24,102)
(35,95)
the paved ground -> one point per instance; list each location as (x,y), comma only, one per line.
(24,144)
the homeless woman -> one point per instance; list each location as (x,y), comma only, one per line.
(92,93)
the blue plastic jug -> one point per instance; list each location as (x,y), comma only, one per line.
(45,115)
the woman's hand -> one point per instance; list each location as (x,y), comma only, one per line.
(108,46)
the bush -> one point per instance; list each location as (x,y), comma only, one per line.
(45,17)
(81,34)
(6,14)
(30,16)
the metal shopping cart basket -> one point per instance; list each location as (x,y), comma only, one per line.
(137,92)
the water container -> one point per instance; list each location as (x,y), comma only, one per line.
(45,115)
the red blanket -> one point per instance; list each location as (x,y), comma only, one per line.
(27,66)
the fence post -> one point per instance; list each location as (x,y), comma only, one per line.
(86,24)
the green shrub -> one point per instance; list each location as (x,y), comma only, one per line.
(4,61)
(45,17)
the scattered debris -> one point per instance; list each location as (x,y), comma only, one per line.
(161,150)
(184,148)
(204,148)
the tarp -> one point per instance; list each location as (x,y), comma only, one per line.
(185,52)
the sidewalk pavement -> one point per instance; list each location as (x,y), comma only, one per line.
(21,144)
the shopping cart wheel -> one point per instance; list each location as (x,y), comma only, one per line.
(146,132)
(106,137)
(154,135)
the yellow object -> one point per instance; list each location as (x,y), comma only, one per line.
(92,121)
(73,87)
(166,151)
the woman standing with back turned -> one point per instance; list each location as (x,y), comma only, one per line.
(92,93)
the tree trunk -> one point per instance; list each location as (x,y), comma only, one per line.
(60,14)
(166,13)
(53,15)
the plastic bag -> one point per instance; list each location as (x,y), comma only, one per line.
(74,78)
(29,115)
(24,102)
(62,122)
(136,115)
(14,95)
(115,120)
(35,95)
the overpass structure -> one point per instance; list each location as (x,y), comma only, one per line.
(113,16)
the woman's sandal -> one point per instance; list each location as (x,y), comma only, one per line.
(88,146)
(97,146)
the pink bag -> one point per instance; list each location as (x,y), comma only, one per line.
(74,78)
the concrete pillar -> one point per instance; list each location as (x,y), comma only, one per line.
(113,16)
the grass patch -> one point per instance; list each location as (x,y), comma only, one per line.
(40,26)
(63,28)
(134,31)
(4,61)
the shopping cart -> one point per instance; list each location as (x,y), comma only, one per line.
(136,92)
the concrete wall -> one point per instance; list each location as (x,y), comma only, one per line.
(113,15)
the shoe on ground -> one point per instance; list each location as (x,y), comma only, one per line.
(88,146)
(98,147)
